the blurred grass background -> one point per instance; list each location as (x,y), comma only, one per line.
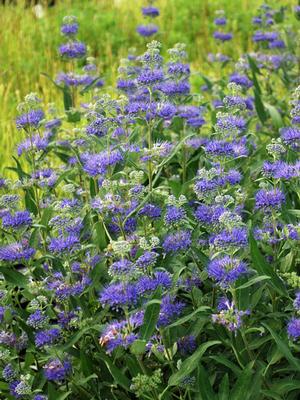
(28,43)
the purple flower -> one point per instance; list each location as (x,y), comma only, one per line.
(229,316)
(150,284)
(57,370)
(9,373)
(37,319)
(119,294)
(147,30)
(178,241)
(241,80)
(16,252)
(174,215)
(150,210)
(150,11)
(209,214)
(265,199)
(121,267)
(17,220)
(169,309)
(222,36)
(293,328)
(226,270)
(296,303)
(69,29)
(97,164)
(291,136)
(99,127)
(30,119)
(237,237)
(221,21)
(47,337)
(64,244)
(148,259)
(73,49)
(187,345)
(150,76)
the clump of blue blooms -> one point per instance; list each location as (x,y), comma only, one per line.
(150,235)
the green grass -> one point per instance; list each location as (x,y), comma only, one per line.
(29,44)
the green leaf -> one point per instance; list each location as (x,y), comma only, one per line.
(265,269)
(229,364)
(151,316)
(205,388)
(253,281)
(275,116)
(14,277)
(260,108)
(138,347)
(191,363)
(241,387)
(116,373)
(185,319)
(283,348)
(224,388)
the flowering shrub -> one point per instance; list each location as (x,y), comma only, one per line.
(150,242)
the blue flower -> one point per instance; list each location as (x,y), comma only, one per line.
(178,241)
(147,30)
(266,199)
(31,119)
(57,370)
(293,328)
(47,337)
(73,49)
(16,252)
(226,270)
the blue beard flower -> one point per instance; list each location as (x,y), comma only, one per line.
(122,267)
(9,373)
(97,164)
(36,143)
(293,328)
(150,11)
(150,210)
(226,270)
(30,119)
(241,80)
(99,127)
(16,252)
(150,284)
(19,219)
(222,36)
(260,36)
(117,295)
(221,21)
(37,320)
(229,316)
(187,345)
(149,76)
(64,244)
(166,111)
(178,69)
(230,123)
(277,44)
(45,177)
(57,370)
(281,170)
(174,215)
(237,237)
(174,88)
(69,29)
(178,241)
(268,199)
(291,136)
(148,259)
(73,49)
(296,302)
(47,337)
(147,30)
(169,309)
